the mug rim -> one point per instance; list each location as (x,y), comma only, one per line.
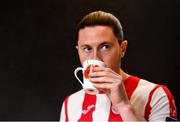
(93,60)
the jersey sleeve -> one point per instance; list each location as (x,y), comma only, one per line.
(63,115)
(162,105)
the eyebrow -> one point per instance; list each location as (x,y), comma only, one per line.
(103,43)
(106,42)
(85,45)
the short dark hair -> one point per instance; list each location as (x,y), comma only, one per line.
(101,18)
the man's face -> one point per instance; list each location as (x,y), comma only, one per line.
(100,43)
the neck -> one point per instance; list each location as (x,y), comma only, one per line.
(123,74)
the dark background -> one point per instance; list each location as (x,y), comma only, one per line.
(38,55)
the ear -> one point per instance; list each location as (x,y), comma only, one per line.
(123,47)
(77,47)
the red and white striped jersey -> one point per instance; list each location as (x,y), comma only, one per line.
(153,102)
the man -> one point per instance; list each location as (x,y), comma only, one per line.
(125,97)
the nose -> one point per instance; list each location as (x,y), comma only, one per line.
(96,56)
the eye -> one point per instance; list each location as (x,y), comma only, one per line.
(105,47)
(87,49)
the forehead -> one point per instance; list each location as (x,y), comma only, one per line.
(96,33)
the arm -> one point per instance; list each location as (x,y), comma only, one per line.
(112,84)
(162,105)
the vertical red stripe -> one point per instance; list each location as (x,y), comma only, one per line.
(130,85)
(88,107)
(114,117)
(172,106)
(66,109)
(148,106)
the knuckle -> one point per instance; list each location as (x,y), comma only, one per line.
(108,69)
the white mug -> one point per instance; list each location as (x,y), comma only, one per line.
(88,66)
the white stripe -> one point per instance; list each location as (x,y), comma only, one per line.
(62,117)
(101,114)
(140,96)
(75,103)
(160,106)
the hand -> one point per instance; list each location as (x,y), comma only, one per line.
(111,82)
(113,85)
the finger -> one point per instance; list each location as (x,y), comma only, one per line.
(97,74)
(106,71)
(102,80)
(103,85)
(98,69)
(107,74)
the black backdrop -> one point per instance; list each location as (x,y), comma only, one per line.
(38,55)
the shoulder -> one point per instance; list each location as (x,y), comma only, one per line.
(138,85)
(155,100)
(153,88)
(145,83)
(150,89)
(159,100)
(77,96)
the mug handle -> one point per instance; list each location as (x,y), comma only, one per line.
(75,73)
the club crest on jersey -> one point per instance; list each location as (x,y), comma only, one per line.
(88,109)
